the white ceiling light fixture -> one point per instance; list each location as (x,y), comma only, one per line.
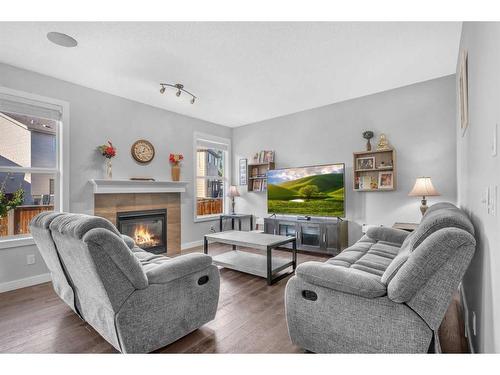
(180,89)
(61,39)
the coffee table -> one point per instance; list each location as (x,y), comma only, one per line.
(261,265)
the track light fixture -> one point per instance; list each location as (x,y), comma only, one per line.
(180,89)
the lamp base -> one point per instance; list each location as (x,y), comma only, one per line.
(423,206)
(232,206)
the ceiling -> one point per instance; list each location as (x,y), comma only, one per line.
(241,72)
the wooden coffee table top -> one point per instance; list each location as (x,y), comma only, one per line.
(254,239)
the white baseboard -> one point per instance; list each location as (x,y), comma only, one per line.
(190,245)
(465,307)
(23,283)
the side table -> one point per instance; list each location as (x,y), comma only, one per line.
(409,227)
(234,217)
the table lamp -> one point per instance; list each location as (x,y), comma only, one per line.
(233,192)
(423,188)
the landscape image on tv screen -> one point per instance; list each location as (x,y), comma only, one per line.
(306,191)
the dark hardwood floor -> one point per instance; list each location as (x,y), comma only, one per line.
(250,319)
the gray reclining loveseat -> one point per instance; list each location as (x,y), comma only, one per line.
(136,300)
(387,293)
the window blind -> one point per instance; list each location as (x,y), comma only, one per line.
(24,106)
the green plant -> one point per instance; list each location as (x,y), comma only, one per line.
(308,191)
(7,204)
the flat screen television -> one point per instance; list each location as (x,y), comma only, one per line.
(307,191)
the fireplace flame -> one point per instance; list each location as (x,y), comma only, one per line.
(144,237)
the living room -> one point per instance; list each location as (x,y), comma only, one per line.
(164,190)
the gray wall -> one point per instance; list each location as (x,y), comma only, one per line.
(96,117)
(419,121)
(478,169)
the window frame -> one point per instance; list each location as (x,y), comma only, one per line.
(225,143)
(62,168)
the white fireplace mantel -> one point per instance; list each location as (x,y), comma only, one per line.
(134,186)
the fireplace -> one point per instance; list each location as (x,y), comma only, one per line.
(147,228)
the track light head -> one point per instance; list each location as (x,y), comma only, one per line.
(162,90)
(192,100)
(178,93)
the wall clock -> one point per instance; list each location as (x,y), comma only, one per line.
(143,151)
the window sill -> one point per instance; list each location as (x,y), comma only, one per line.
(8,243)
(207,218)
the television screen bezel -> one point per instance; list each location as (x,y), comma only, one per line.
(305,166)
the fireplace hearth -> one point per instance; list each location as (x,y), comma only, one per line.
(148,228)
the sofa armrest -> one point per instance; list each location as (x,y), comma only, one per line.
(178,267)
(392,235)
(347,280)
(129,241)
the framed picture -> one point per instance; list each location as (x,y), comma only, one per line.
(365,163)
(243,171)
(463,92)
(385,180)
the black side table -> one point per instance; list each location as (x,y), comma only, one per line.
(238,217)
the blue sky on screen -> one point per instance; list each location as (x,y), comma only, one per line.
(278,176)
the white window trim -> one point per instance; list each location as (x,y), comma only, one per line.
(62,161)
(227,172)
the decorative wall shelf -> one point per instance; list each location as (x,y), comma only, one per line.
(257,176)
(370,166)
(134,186)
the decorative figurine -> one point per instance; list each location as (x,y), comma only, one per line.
(368,134)
(383,143)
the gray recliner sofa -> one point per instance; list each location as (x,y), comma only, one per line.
(387,293)
(136,300)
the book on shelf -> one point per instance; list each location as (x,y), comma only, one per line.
(259,185)
(265,157)
(366,183)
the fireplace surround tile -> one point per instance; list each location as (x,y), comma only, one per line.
(108,205)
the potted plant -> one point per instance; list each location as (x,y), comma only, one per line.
(175,160)
(109,152)
(8,202)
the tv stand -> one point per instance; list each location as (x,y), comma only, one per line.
(325,235)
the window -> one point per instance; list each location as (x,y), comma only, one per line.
(211,156)
(30,160)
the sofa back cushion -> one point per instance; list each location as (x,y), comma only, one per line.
(103,269)
(432,272)
(444,216)
(39,228)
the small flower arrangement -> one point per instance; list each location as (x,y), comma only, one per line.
(108,151)
(175,159)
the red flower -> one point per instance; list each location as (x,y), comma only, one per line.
(175,158)
(108,150)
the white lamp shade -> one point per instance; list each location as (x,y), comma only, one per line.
(233,192)
(423,188)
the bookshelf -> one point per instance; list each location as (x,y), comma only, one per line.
(374,170)
(257,176)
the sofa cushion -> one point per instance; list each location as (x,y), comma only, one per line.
(77,225)
(451,245)
(346,280)
(391,235)
(396,265)
(439,206)
(372,258)
(445,216)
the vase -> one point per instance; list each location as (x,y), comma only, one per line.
(368,145)
(176,173)
(109,169)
